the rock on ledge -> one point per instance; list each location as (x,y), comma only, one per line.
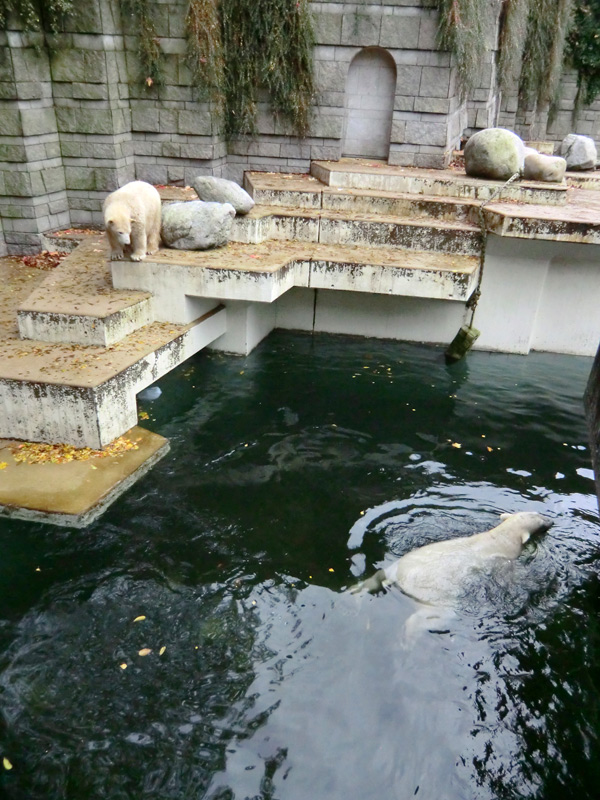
(494,153)
(219,190)
(196,225)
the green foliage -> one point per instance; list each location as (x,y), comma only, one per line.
(205,50)
(513,30)
(149,52)
(544,48)
(36,15)
(461,32)
(583,48)
(260,45)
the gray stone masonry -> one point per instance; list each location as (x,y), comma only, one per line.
(77,118)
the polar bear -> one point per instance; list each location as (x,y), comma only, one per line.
(132,217)
(436,573)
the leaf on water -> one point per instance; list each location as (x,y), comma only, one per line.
(489,449)
(145,651)
(144,415)
(140,618)
(162,650)
(123,666)
(6,763)
(457,445)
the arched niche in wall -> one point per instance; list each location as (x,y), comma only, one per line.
(370,90)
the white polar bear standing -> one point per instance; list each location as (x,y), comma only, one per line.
(132,217)
(436,573)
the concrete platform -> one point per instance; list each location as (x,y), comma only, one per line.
(77,304)
(77,492)
(357,173)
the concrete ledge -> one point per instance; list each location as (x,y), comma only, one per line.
(365,174)
(76,303)
(76,493)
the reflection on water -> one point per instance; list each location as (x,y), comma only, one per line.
(197,642)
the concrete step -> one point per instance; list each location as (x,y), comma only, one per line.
(306,192)
(85,395)
(263,272)
(277,223)
(76,303)
(365,174)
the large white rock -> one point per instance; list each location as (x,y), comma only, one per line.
(539,167)
(579,151)
(494,153)
(219,190)
(196,225)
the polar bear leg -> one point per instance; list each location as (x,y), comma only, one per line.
(138,243)
(116,249)
(153,241)
(426,619)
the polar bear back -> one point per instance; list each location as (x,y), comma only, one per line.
(436,573)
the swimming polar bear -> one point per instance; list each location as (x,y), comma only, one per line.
(132,218)
(436,573)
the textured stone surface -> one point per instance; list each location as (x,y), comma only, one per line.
(220,190)
(579,151)
(196,225)
(494,153)
(539,167)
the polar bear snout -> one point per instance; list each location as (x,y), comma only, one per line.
(123,238)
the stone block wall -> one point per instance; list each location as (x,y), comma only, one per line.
(77,119)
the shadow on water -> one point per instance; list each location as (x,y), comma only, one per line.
(252,673)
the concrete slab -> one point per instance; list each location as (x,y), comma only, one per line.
(77,492)
(359,173)
(76,302)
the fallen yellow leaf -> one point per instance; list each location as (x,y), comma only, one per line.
(489,449)
(3,465)
(140,618)
(162,650)
(145,651)
(457,445)
(123,666)
(6,763)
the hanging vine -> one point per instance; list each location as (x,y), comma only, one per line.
(583,48)
(205,51)
(461,32)
(544,49)
(513,31)
(257,45)
(36,15)
(149,51)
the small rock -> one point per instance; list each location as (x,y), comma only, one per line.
(494,153)
(219,190)
(196,225)
(579,151)
(550,169)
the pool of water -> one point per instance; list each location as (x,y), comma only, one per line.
(292,473)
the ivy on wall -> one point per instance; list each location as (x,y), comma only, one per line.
(36,15)
(236,48)
(149,52)
(461,32)
(583,49)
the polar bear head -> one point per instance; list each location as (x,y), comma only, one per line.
(119,223)
(523,524)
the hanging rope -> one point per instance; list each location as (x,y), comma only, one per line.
(474,299)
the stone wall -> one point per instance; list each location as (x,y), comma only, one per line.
(77,119)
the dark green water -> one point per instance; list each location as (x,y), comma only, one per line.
(274,683)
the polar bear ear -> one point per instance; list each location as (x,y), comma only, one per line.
(505,516)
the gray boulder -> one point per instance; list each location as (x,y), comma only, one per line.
(196,225)
(579,151)
(539,167)
(219,190)
(494,153)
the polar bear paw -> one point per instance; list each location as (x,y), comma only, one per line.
(138,256)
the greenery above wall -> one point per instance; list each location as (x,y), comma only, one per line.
(36,15)
(461,32)
(535,35)
(583,48)
(149,51)
(236,48)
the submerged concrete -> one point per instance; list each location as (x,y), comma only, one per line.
(74,493)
